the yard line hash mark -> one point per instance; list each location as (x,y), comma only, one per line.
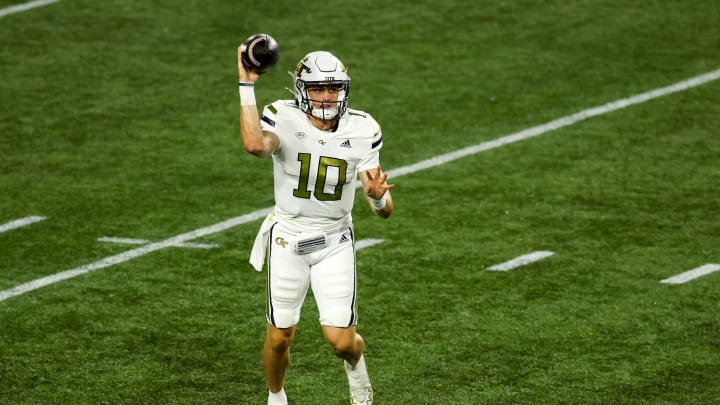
(19,223)
(366,243)
(25,7)
(703,270)
(132,241)
(425,164)
(521,261)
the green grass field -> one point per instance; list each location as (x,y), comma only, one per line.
(120,119)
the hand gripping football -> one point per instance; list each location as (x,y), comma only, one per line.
(259,53)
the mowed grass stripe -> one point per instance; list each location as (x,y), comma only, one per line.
(425,164)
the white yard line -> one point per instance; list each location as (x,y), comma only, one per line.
(425,164)
(18,8)
(133,241)
(692,274)
(197,245)
(131,254)
(558,123)
(521,261)
(19,223)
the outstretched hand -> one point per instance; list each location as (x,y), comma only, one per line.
(377,183)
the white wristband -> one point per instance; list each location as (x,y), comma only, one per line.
(380,204)
(247,93)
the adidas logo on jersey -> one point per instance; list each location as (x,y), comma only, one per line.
(346,144)
(344,239)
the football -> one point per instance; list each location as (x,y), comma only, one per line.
(260,53)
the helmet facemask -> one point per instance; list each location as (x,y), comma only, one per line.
(321,69)
(328,110)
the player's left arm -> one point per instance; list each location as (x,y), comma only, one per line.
(377,191)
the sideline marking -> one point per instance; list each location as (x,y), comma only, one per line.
(703,270)
(24,7)
(521,261)
(425,164)
(132,241)
(19,223)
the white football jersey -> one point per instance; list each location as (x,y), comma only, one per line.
(316,172)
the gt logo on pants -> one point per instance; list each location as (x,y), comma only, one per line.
(280,241)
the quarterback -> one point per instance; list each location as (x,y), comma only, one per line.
(319,148)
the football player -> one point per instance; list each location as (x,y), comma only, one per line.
(319,147)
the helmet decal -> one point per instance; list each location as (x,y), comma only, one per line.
(302,67)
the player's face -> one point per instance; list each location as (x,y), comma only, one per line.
(324,96)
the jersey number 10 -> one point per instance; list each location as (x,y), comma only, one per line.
(302,190)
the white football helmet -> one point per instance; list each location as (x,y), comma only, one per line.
(321,68)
